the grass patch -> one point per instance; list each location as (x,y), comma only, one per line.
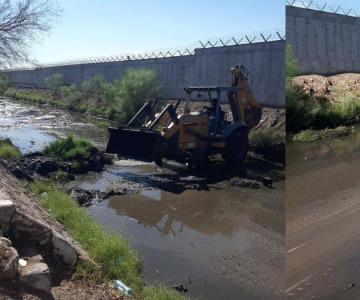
(8,150)
(158,292)
(114,256)
(346,105)
(75,150)
(69,149)
(310,135)
(28,95)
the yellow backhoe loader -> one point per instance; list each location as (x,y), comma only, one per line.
(190,137)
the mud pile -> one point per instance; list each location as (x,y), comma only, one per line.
(328,88)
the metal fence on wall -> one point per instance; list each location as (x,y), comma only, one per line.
(326,7)
(238,39)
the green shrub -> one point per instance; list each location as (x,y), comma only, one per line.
(54,83)
(291,62)
(346,105)
(134,89)
(8,150)
(95,88)
(71,97)
(4,83)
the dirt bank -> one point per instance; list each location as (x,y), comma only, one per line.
(328,88)
(42,242)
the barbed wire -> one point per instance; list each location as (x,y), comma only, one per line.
(225,41)
(325,7)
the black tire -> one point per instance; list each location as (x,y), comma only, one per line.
(236,146)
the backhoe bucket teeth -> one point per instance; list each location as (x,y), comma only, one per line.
(134,143)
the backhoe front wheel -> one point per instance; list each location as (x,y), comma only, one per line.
(236,147)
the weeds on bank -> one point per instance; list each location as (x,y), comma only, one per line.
(302,112)
(112,254)
(116,101)
(262,138)
(8,151)
(159,292)
(271,144)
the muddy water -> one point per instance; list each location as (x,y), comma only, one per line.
(322,218)
(315,171)
(220,242)
(31,127)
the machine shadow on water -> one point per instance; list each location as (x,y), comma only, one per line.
(250,174)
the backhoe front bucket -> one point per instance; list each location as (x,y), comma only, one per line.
(135,143)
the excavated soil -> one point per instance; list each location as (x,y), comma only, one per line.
(328,88)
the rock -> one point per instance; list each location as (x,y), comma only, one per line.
(8,259)
(98,160)
(7,209)
(30,228)
(36,274)
(82,197)
(65,249)
(180,288)
(88,197)
(18,171)
(42,165)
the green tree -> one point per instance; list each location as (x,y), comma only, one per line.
(134,89)
(4,83)
(291,62)
(95,87)
(54,83)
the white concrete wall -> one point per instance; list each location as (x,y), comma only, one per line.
(209,66)
(324,43)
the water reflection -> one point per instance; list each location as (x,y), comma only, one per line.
(318,171)
(218,212)
(333,149)
(31,127)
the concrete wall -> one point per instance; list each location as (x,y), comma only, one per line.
(325,43)
(209,66)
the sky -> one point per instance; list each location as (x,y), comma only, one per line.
(95,28)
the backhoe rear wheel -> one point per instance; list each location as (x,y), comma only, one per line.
(236,146)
